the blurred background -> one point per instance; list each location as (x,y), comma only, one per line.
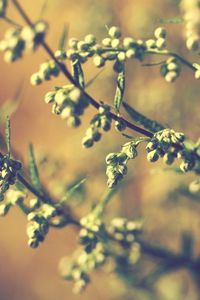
(148,190)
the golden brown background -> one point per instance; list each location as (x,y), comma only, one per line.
(28,274)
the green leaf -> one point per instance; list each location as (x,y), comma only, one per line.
(43,8)
(176,20)
(78,73)
(149,124)
(9,107)
(63,38)
(119,91)
(90,82)
(8,135)
(72,190)
(33,170)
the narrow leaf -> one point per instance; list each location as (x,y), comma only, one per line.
(78,74)
(33,170)
(73,189)
(90,82)
(63,38)
(9,107)
(119,91)
(176,20)
(8,135)
(43,8)
(149,124)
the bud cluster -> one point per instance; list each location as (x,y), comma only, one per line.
(8,172)
(38,223)
(124,230)
(12,198)
(17,40)
(171,69)
(191,11)
(117,163)
(169,144)
(68,102)
(92,225)
(101,121)
(112,48)
(159,42)
(79,269)
(46,71)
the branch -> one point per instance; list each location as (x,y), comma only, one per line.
(68,75)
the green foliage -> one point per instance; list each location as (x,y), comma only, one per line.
(149,124)
(33,170)
(119,90)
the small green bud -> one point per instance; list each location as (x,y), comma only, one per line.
(130,53)
(60,54)
(129,42)
(105,123)
(75,95)
(171,76)
(107,42)
(160,32)
(114,32)
(111,158)
(10,56)
(3,45)
(35,79)
(115,43)
(197,74)
(67,112)
(193,43)
(27,34)
(161,43)
(49,97)
(152,145)
(99,61)
(87,142)
(4,209)
(121,56)
(96,136)
(152,156)
(73,42)
(186,165)
(151,43)
(172,66)
(34,203)
(41,27)
(61,96)
(33,243)
(72,54)
(73,121)
(120,125)
(104,109)
(168,158)
(83,46)
(90,39)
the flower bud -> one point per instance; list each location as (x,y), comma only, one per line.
(114,32)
